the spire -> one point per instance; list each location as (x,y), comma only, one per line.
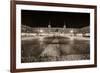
(64,25)
(49,26)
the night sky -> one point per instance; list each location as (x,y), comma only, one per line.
(42,18)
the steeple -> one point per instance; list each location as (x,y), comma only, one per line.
(64,25)
(49,26)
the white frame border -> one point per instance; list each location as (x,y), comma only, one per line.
(20,65)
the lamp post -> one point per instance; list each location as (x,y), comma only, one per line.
(72,32)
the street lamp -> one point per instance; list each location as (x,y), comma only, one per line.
(71,31)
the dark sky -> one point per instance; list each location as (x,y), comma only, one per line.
(56,19)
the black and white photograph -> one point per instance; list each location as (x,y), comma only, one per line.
(48,36)
(52,36)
